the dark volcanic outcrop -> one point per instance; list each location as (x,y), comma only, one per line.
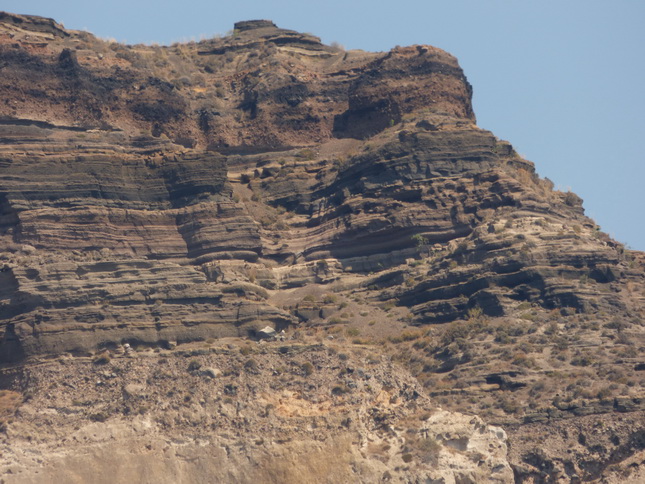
(162,196)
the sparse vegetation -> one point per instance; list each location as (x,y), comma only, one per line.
(102,358)
(352,332)
(307,368)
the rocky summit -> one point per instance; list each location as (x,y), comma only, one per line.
(259,258)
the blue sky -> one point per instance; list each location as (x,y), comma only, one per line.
(561,80)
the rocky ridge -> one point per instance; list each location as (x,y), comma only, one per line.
(162,196)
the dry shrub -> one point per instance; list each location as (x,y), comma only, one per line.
(525,177)
(406,336)
(307,368)
(9,403)
(102,359)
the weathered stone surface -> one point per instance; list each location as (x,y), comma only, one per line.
(145,424)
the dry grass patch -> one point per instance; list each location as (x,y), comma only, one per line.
(9,403)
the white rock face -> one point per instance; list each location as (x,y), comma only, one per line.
(151,420)
(139,451)
(467,440)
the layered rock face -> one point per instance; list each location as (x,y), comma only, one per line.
(162,196)
(124,232)
(136,221)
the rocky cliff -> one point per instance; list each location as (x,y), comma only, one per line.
(168,197)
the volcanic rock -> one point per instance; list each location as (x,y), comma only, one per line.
(179,199)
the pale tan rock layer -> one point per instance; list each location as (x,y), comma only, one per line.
(228,420)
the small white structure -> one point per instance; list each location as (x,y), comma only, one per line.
(266,333)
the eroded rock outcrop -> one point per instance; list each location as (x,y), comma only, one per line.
(266,414)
